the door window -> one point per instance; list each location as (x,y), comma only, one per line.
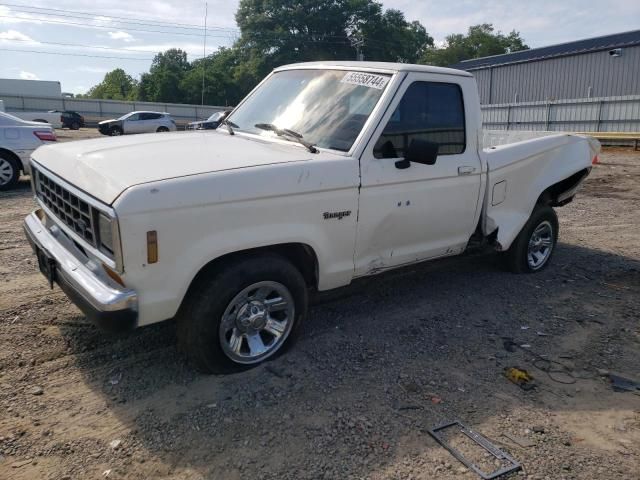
(428,111)
(150,116)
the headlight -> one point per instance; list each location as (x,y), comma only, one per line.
(105,231)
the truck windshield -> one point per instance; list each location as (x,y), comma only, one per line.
(327,107)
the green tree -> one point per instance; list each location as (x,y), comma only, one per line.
(277,32)
(388,37)
(224,84)
(480,41)
(163,82)
(116,85)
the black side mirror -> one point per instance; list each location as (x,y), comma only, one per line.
(419,151)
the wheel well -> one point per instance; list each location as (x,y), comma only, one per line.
(9,153)
(300,255)
(551,195)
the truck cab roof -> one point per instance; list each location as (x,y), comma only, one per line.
(386,67)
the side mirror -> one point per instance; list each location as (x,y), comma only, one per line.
(419,151)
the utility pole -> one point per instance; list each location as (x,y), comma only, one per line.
(358,43)
(204,50)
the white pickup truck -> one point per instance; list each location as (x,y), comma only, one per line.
(52,117)
(324,173)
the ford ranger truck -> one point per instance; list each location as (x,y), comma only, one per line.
(325,172)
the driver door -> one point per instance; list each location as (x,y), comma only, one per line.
(423,211)
(132,124)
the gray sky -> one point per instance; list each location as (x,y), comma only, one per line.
(22,28)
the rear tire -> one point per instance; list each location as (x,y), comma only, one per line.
(75,126)
(533,248)
(9,172)
(243,313)
(162,129)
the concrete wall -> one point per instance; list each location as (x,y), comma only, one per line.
(97,110)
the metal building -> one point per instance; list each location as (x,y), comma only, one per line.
(607,66)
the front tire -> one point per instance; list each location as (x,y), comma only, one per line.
(243,313)
(9,172)
(115,131)
(533,248)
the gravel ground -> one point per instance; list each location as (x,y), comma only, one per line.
(379,363)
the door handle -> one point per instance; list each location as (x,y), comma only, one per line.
(466,170)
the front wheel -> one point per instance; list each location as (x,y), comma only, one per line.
(533,248)
(242,314)
(115,131)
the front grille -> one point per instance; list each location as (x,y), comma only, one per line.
(74,212)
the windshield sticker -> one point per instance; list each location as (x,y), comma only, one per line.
(366,80)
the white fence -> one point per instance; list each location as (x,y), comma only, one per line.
(605,114)
(96,110)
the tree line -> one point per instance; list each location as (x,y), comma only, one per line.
(279,32)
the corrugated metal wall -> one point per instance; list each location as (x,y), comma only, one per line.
(607,114)
(588,75)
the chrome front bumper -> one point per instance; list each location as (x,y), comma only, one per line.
(111,307)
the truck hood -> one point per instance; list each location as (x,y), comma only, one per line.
(104,168)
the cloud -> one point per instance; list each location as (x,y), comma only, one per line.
(15,35)
(28,76)
(120,35)
(8,16)
(92,69)
(192,49)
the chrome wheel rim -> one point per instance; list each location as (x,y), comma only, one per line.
(6,171)
(257,322)
(540,245)
(115,133)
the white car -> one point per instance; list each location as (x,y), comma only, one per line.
(52,117)
(18,140)
(138,122)
(324,173)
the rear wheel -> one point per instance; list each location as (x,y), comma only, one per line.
(115,131)
(243,313)
(75,126)
(533,248)
(162,129)
(9,172)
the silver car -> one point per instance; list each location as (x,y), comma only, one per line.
(138,122)
(18,140)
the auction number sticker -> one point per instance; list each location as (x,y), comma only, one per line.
(366,80)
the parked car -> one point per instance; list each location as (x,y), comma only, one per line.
(210,123)
(52,117)
(138,122)
(326,172)
(18,140)
(72,120)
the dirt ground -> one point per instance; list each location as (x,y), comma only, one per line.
(379,363)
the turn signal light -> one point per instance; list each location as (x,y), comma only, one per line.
(152,246)
(113,275)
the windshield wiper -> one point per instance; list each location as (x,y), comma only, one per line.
(285,132)
(230,126)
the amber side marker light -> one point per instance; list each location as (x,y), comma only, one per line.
(113,275)
(152,246)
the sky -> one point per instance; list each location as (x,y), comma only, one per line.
(130,32)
